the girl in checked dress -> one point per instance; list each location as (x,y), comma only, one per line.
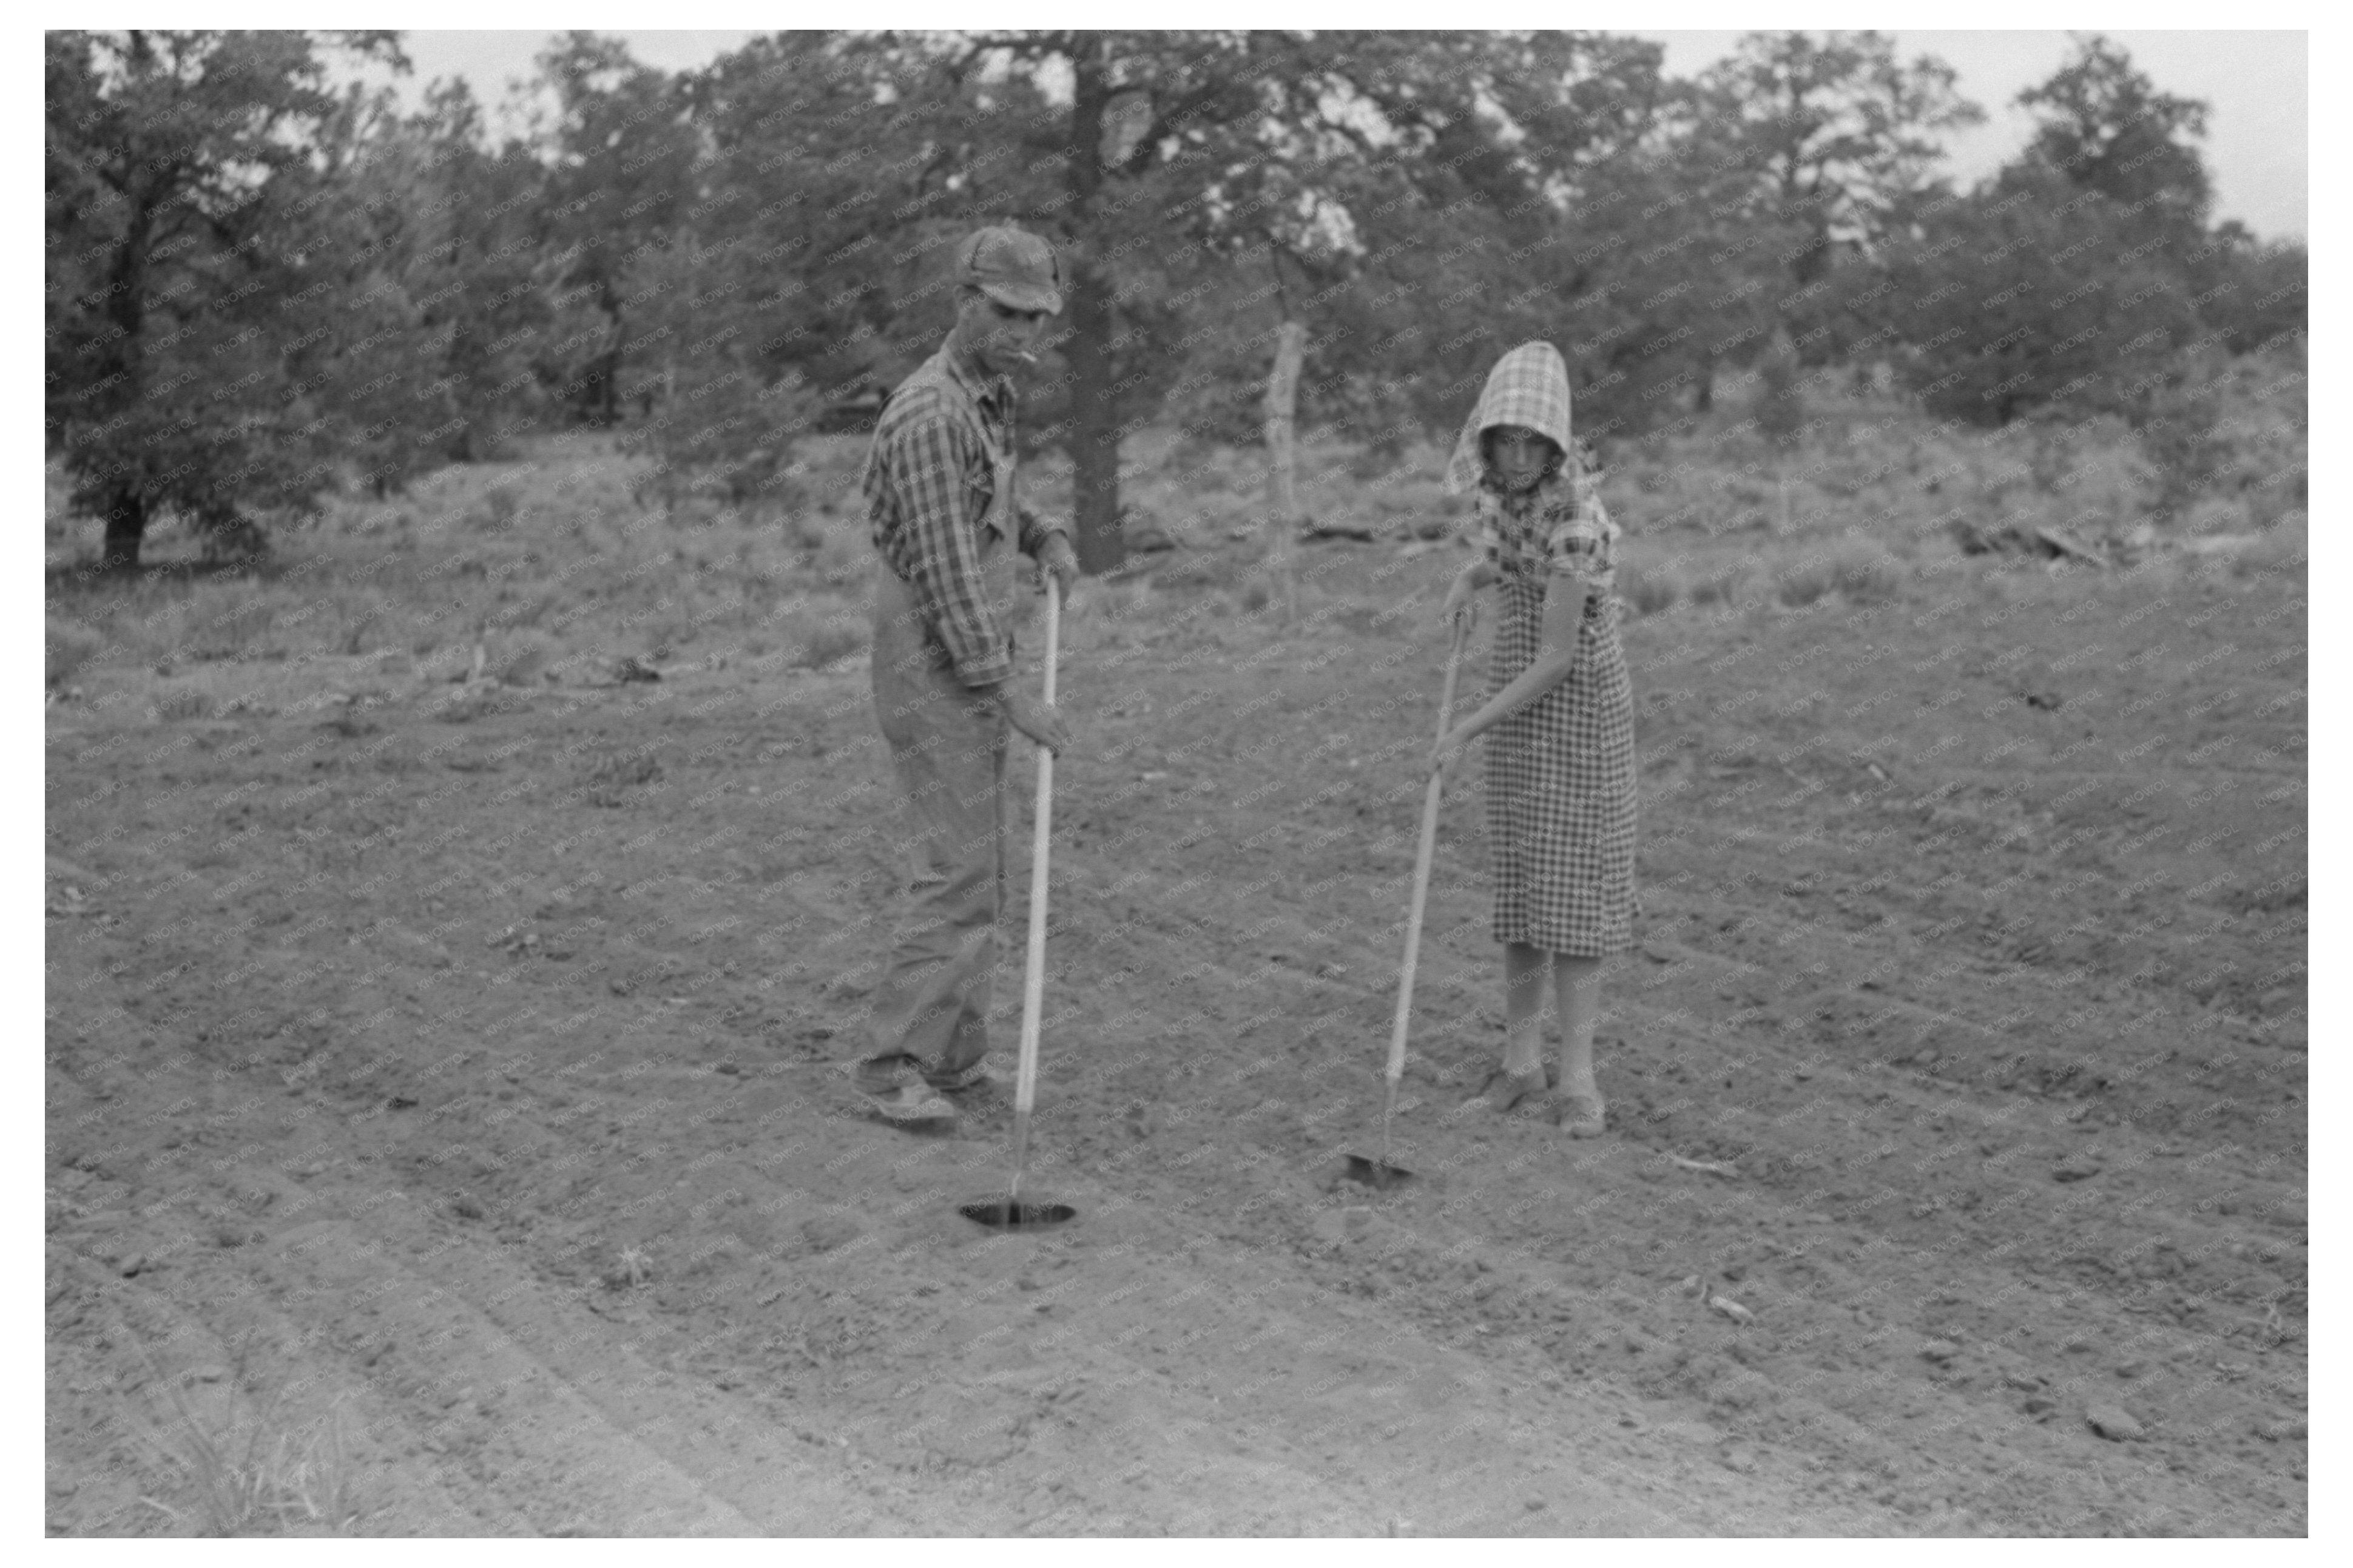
(1559,718)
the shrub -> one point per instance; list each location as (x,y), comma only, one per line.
(231,631)
(360,623)
(1868,576)
(500,507)
(69,647)
(1720,585)
(1118,602)
(2278,550)
(1803,585)
(520,660)
(1647,592)
(806,530)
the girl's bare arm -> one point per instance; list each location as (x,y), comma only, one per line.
(1555,661)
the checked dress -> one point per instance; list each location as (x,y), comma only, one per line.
(1560,772)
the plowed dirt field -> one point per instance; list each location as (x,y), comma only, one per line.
(441,1089)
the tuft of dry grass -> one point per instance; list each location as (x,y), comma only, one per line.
(828,643)
(1862,572)
(1115,599)
(1207,570)
(225,628)
(1107,612)
(1650,592)
(184,704)
(251,1477)
(614,774)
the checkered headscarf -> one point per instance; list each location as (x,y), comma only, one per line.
(1528,386)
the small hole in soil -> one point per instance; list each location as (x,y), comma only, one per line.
(1374,1174)
(999,1214)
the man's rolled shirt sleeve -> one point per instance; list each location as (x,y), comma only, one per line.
(1034,533)
(927,466)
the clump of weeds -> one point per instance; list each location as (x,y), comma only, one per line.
(832,641)
(616,773)
(249,1475)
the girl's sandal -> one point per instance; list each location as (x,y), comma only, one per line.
(1583,1116)
(1507,1092)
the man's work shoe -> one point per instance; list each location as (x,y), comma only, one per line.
(910,1103)
(975,1076)
(897,1091)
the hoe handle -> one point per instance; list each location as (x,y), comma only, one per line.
(1421,871)
(1033,983)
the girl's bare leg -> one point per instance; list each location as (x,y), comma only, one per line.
(1524,998)
(1577,991)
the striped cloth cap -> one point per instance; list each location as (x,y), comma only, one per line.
(1528,386)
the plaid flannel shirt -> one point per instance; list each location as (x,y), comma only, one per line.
(927,479)
(1561,526)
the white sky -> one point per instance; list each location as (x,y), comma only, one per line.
(2254,83)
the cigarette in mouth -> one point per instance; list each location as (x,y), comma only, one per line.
(1025,357)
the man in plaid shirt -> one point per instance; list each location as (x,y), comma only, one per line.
(939,486)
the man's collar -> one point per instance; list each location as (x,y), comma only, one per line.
(994,394)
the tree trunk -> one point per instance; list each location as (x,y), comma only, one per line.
(1094,425)
(126,524)
(125,510)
